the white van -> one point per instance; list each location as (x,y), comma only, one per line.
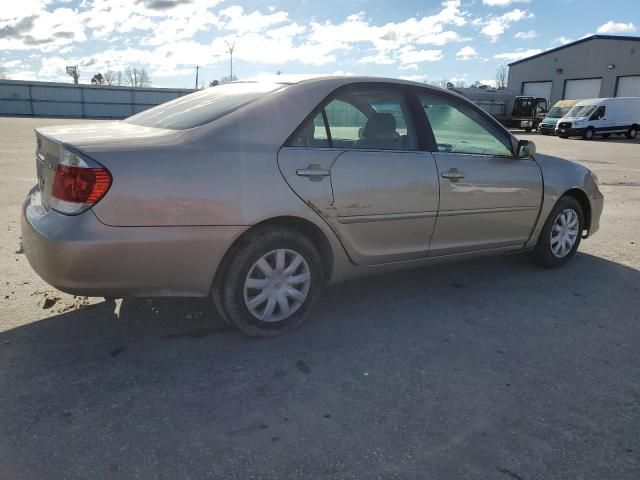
(549,125)
(602,116)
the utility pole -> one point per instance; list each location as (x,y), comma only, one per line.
(197,68)
(72,71)
(230,49)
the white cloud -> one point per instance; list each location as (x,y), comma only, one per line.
(409,55)
(502,3)
(489,83)
(12,10)
(414,78)
(43,31)
(235,19)
(12,63)
(562,40)
(389,38)
(517,54)
(613,27)
(495,26)
(467,53)
(167,37)
(526,35)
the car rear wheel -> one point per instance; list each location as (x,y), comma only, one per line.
(588,134)
(270,281)
(632,133)
(561,234)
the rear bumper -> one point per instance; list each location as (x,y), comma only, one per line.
(82,256)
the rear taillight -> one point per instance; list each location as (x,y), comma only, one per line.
(78,183)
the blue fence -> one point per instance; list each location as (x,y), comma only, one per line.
(49,99)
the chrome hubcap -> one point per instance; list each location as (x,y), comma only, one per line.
(277,285)
(564,233)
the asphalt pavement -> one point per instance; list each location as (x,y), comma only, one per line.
(485,369)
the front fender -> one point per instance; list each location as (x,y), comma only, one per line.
(559,177)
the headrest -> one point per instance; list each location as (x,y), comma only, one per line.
(380,125)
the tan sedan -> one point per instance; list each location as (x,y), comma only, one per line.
(258,194)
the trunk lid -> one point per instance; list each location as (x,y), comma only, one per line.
(90,139)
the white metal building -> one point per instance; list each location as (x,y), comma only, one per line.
(595,66)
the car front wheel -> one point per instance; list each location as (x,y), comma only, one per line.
(561,234)
(270,281)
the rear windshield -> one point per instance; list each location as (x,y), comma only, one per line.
(202,107)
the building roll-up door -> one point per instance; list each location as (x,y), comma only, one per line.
(582,89)
(628,86)
(537,89)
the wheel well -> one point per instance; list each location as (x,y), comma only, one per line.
(305,227)
(583,200)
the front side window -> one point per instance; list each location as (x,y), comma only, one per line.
(458,128)
(361,117)
(598,114)
(541,105)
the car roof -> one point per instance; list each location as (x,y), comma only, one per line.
(335,80)
(590,101)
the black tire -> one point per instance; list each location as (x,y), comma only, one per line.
(632,133)
(228,289)
(543,253)
(528,129)
(589,133)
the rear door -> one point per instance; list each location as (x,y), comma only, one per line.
(356,161)
(488,198)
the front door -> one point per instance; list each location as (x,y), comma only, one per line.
(488,198)
(363,173)
(598,121)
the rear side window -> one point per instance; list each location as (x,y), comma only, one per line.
(346,121)
(312,133)
(458,128)
(361,117)
(204,106)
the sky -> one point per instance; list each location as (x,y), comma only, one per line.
(456,40)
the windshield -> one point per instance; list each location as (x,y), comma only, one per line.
(202,107)
(580,111)
(558,112)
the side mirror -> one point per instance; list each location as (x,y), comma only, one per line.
(526,149)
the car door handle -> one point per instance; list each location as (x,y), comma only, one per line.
(313,172)
(452,174)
